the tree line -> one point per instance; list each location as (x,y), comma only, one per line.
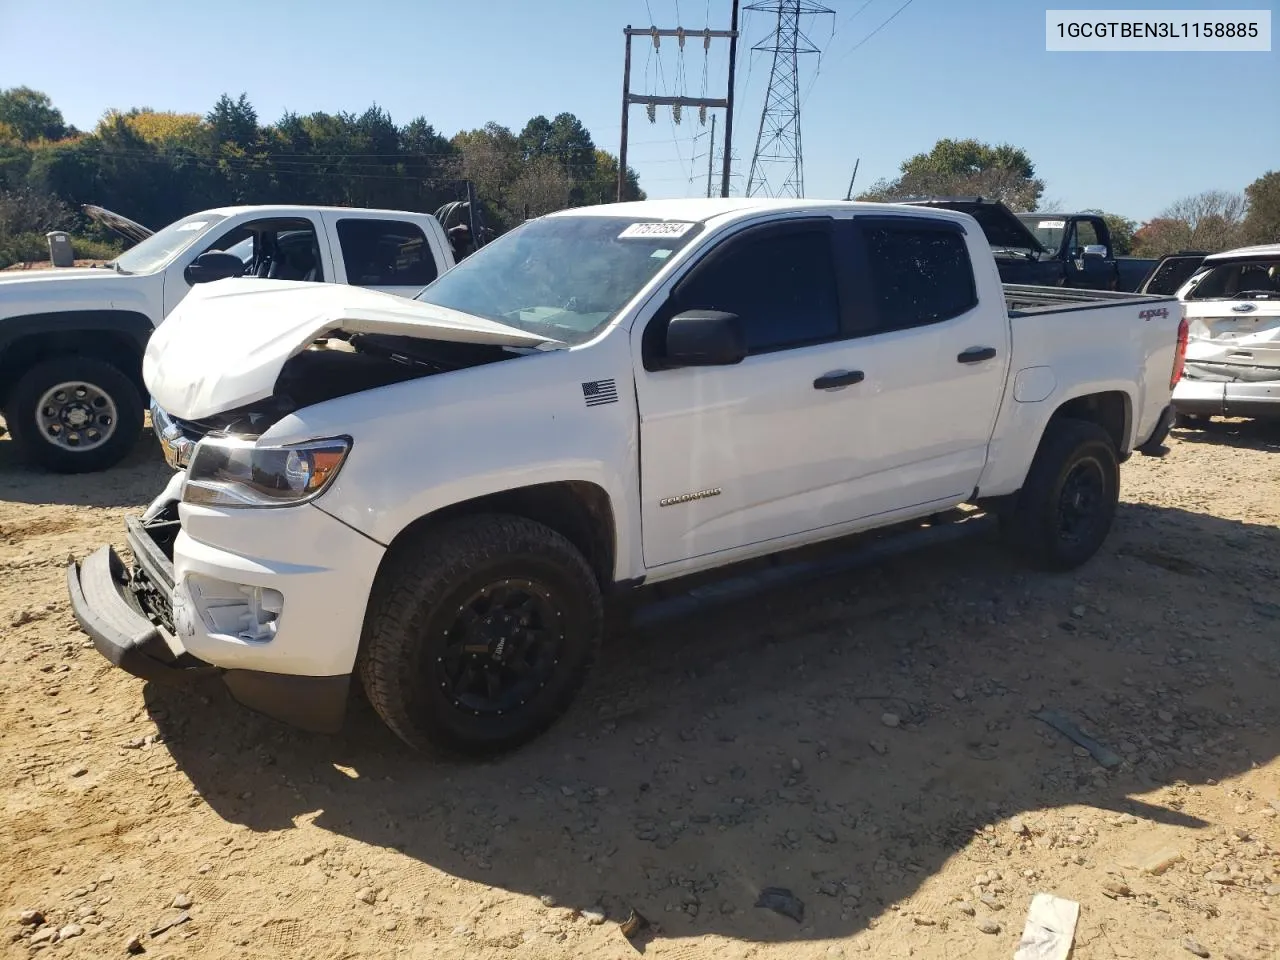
(155,167)
(1212,221)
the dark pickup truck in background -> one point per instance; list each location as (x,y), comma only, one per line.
(1062,249)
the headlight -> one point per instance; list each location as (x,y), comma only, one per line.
(176,447)
(241,473)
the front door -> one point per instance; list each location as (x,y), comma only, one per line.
(739,455)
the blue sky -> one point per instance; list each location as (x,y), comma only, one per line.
(1128,132)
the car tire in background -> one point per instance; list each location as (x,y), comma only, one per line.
(479,633)
(74,414)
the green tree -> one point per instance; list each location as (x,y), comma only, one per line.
(31,114)
(233,121)
(1262,223)
(965,168)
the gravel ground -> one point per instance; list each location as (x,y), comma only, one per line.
(867,741)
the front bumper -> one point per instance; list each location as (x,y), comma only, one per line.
(1219,398)
(197,615)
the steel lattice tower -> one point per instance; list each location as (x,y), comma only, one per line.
(778,145)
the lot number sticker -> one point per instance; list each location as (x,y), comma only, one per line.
(655,231)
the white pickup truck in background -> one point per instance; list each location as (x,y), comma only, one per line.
(72,340)
(440,498)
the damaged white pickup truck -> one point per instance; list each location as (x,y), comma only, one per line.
(438,495)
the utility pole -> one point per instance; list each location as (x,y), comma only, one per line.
(728,110)
(629,98)
(848,194)
(778,138)
(711,153)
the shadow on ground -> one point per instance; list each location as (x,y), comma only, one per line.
(1246,434)
(138,478)
(745,747)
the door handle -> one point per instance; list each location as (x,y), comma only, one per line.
(839,378)
(976,354)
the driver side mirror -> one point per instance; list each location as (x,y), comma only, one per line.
(211,266)
(705,338)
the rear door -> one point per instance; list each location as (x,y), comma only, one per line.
(935,355)
(382,252)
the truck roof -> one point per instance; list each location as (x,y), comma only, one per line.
(1261,250)
(701,210)
(286,209)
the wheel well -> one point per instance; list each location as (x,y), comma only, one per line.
(578,510)
(117,348)
(1109,410)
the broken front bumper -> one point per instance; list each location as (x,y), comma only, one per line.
(128,613)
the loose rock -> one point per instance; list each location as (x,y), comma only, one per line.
(890,719)
(1194,947)
(780,900)
(69,931)
(181,901)
(133,944)
(988,927)
(31,918)
(367,895)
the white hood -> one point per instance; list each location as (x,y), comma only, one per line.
(225,344)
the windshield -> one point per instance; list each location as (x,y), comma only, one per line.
(563,277)
(159,248)
(1238,280)
(1049,232)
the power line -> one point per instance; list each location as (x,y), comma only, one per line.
(893,16)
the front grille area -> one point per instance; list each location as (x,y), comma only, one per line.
(151,577)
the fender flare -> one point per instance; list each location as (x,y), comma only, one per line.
(136,327)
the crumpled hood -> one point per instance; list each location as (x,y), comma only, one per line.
(224,346)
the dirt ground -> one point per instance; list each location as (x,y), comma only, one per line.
(866,740)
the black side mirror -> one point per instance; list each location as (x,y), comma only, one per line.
(214,265)
(705,338)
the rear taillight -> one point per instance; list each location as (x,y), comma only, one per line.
(1179,354)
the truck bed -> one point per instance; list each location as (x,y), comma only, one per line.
(1023,300)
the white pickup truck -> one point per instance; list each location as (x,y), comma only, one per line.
(440,497)
(72,340)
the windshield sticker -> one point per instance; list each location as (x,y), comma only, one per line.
(1051,225)
(648,231)
(193,225)
(660,254)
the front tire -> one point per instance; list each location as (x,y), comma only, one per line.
(479,634)
(1066,508)
(74,415)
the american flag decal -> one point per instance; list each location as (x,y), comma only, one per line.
(598,392)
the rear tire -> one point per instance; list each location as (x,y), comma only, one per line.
(74,398)
(1065,509)
(479,634)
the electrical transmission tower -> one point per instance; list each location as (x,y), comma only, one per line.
(778,149)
